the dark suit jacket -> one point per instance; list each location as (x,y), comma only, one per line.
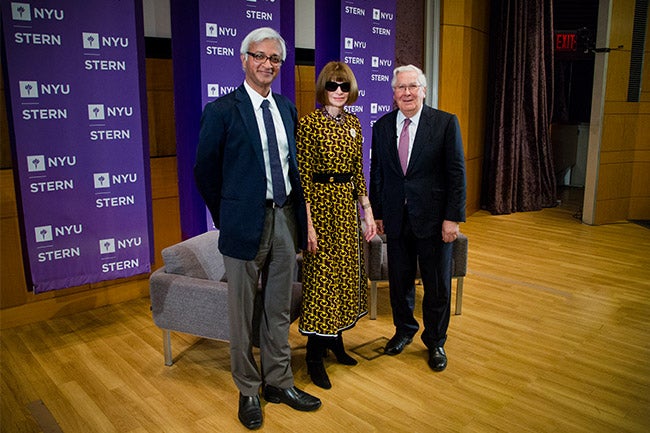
(434,184)
(230,172)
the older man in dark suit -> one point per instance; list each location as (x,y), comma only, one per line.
(247,173)
(417,190)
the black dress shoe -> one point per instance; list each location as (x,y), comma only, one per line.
(293,397)
(250,411)
(437,359)
(396,344)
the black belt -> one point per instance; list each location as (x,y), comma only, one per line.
(332,177)
(270,203)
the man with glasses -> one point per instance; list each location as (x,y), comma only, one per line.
(246,171)
(417,191)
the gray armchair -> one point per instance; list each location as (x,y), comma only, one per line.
(377,268)
(190,293)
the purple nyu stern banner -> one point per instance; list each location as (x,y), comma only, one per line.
(74,78)
(368,48)
(224,25)
(207,65)
(365,40)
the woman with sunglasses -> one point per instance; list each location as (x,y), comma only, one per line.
(330,160)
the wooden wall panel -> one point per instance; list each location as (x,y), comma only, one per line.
(5,149)
(618,74)
(166,226)
(621,191)
(165,206)
(639,207)
(640,178)
(477,101)
(305,89)
(643,127)
(462,86)
(455,73)
(12,276)
(615,181)
(613,211)
(160,102)
(622,21)
(619,132)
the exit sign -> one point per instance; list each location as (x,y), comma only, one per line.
(566,42)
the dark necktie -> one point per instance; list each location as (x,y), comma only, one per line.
(403,145)
(279,190)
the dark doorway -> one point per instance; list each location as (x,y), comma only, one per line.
(575,24)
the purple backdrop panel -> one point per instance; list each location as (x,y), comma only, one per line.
(206,43)
(365,41)
(224,24)
(79,140)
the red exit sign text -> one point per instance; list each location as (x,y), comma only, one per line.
(566,42)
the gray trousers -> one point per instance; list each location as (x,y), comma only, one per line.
(277,252)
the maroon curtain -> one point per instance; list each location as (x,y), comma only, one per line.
(518,172)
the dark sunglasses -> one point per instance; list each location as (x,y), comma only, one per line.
(331,86)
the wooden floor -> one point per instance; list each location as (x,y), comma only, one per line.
(554,336)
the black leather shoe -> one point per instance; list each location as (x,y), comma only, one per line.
(396,344)
(293,397)
(250,411)
(437,359)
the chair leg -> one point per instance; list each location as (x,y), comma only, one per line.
(373,300)
(459,295)
(167,347)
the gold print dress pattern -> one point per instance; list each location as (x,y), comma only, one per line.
(335,286)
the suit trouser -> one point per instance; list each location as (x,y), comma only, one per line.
(434,258)
(277,251)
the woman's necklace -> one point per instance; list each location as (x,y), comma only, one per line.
(339,118)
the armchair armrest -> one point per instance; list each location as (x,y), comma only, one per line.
(374,258)
(459,256)
(191,305)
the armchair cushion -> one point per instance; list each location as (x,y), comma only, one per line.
(197,257)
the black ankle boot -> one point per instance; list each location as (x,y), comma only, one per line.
(336,346)
(318,374)
(315,366)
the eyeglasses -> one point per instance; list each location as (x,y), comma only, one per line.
(411,87)
(261,58)
(331,86)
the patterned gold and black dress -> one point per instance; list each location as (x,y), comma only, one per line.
(334,282)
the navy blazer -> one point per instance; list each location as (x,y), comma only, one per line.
(230,172)
(434,184)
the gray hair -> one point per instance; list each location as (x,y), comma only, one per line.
(421,79)
(260,34)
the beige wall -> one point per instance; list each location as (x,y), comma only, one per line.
(623,184)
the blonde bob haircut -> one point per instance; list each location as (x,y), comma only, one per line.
(339,72)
